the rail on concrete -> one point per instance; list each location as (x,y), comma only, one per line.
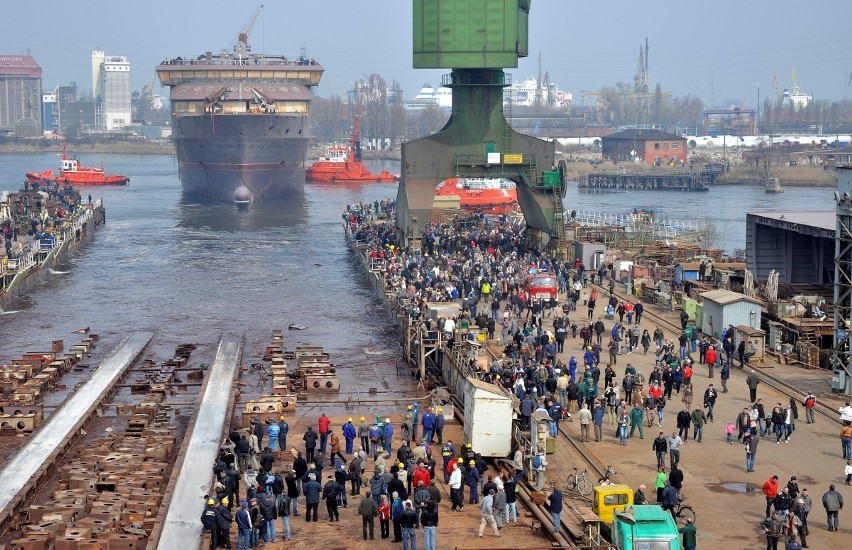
(22,474)
(181,525)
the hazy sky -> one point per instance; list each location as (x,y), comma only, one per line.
(716,49)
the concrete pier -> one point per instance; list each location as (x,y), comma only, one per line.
(668,180)
(23,473)
(180,527)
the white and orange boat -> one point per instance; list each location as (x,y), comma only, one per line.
(70,172)
(343,163)
(490,195)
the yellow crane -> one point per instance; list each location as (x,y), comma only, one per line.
(778,94)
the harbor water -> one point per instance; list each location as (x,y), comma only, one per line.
(190,272)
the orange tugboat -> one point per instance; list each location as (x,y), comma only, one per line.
(343,163)
(490,195)
(70,172)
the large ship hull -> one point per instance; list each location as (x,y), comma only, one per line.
(264,153)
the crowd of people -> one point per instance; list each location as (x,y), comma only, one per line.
(48,207)
(560,359)
(399,491)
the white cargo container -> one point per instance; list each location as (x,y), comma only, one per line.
(488,416)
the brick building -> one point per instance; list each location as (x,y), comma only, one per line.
(20,96)
(648,145)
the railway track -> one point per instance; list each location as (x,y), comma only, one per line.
(770,380)
(99,465)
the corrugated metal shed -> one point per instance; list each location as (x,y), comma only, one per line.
(723,308)
(724,297)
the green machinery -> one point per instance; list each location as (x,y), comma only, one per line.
(476,39)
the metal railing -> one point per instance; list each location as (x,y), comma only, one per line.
(660,228)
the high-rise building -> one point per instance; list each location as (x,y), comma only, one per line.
(20,96)
(98,57)
(111,87)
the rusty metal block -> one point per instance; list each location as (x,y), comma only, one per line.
(57,346)
(195,375)
(121,541)
(92,544)
(262,404)
(95,525)
(31,542)
(36,410)
(80,482)
(78,532)
(322,382)
(36,512)
(67,543)
(125,408)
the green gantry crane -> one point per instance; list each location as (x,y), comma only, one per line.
(476,39)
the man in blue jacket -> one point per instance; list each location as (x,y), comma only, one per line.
(388,435)
(243,527)
(428,422)
(439,426)
(349,434)
(473,482)
(555,499)
(272,431)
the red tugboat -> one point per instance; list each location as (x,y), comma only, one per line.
(70,172)
(343,163)
(490,195)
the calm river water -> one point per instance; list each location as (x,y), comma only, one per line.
(189,272)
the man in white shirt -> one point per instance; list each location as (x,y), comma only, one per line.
(455,488)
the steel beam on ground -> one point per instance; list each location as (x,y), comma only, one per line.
(181,527)
(22,474)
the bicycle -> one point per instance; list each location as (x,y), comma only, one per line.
(579,483)
(684,512)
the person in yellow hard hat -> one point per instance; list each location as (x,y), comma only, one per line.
(467,452)
(473,478)
(349,434)
(208,521)
(223,522)
(439,426)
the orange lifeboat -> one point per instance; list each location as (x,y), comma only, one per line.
(490,195)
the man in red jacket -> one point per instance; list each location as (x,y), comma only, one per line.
(324,425)
(421,474)
(710,359)
(770,491)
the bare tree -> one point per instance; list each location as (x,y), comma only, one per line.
(331,119)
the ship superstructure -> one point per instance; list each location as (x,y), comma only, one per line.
(241,122)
